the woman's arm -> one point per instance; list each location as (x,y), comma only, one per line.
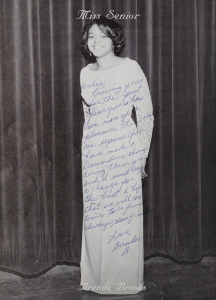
(144,114)
(85,107)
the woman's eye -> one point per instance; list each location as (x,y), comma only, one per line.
(90,37)
(104,36)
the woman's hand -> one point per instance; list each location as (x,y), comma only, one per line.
(143,173)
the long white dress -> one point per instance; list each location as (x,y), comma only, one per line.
(113,150)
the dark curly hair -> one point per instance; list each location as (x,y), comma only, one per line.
(111,29)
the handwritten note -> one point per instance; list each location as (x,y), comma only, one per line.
(112,154)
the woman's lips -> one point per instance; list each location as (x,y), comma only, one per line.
(98,47)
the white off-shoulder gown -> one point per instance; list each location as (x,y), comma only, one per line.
(113,150)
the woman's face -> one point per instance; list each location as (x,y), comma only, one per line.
(98,43)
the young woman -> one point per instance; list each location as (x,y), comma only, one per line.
(114,152)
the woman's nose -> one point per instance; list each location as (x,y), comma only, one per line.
(97,39)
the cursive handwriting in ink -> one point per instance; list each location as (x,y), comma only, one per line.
(112,157)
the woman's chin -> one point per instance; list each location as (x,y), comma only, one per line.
(97,54)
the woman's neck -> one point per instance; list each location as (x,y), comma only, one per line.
(105,62)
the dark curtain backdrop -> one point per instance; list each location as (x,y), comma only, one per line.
(41,127)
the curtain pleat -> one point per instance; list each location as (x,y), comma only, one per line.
(41,123)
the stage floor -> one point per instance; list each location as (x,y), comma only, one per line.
(164,280)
